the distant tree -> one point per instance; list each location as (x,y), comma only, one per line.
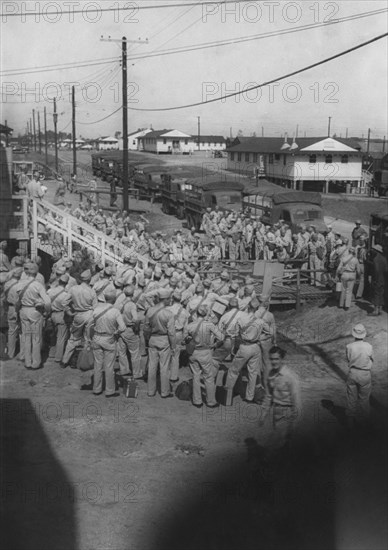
(117,134)
(254,134)
(240,133)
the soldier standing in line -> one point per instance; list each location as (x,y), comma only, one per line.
(108,324)
(379,279)
(359,384)
(204,333)
(267,336)
(357,232)
(283,399)
(228,324)
(60,302)
(248,353)
(11,298)
(33,302)
(83,302)
(129,339)
(348,270)
(181,317)
(160,338)
(4,261)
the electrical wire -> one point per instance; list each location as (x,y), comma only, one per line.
(102,119)
(299,71)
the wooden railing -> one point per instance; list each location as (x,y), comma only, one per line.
(71,230)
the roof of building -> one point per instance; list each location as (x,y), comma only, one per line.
(5,129)
(141,131)
(155,134)
(275,144)
(211,139)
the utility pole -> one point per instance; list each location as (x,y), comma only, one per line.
(347,133)
(45,137)
(368,142)
(199,133)
(262,131)
(384,144)
(73,129)
(33,120)
(30,135)
(297,130)
(329,127)
(55,117)
(6,134)
(230,133)
(124,68)
(39,135)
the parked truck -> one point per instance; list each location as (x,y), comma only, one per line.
(211,192)
(148,179)
(296,208)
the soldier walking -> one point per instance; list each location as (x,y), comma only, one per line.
(359,382)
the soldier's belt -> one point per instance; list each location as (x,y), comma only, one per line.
(103,333)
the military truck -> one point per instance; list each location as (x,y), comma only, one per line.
(148,179)
(211,192)
(378,231)
(173,195)
(296,208)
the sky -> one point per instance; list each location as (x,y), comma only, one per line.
(352,89)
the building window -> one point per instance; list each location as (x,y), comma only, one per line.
(312,159)
(239,157)
(186,141)
(231,156)
(254,157)
(270,158)
(277,156)
(164,141)
(246,157)
(344,159)
(329,159)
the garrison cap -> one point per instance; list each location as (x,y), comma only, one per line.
(233,302)
(177,295)
(17,272)
(254,303)
(207,283)
(64,278)
(129,290)
(18,261)
(199,288)
(164,293)
(3,244)
(110,294)
(224,275)
(202,310)
(86,275)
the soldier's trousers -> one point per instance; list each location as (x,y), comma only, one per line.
(315,263)
(174,373)
(265,346)
(283,423)
(32,326)
(201,363)
(104,351)
(249,355)
(348,280)
(361,283)
(159,353)
(61,334)
(76,333)
(131,342)
(13,331)
(358,390)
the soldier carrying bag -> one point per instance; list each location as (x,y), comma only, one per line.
(190,340)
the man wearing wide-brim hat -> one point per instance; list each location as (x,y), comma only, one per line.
(359,382)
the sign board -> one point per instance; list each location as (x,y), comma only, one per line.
(268,271)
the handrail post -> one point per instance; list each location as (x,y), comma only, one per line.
(69,239)
(34,228)
(298,290)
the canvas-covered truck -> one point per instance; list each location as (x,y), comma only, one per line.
(211,193)
(296,208)
(173,195)
(148,179)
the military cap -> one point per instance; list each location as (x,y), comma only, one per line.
(108,271)
(148,272)
(17,272)
(174,281)
(177,295)
(358,222)
(110,294)
(202,310)
(68,264)
(64,278)
(168,272)
(157,272)
(3,244)
(18,261)
(234,287)
(207,283)
(140,281)
(199,288)
(133,260)
(129,290)
(249,288)
(164,293)
(225,275)
(263,298)
(32,268)
(254,303)
(86,275)
(119,282)
(233,302)
(21,252)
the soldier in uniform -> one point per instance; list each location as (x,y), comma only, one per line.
(180,320)
(159,334)
(108,324)
(348,270)
(267,336)
(221,284)
(359,384)
(129,339)
(33,301)
(228,324)
(204,334)
(60,302)
(357,232)
(248,329)
(83,302)
(11,298)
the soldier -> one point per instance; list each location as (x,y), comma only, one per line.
(204,333)
(180,320)
(361,255)
(108,323)
(83,302)
(228,324)
(11,298)
(4,261)
(33,301)
(60,302)
(160,338)
(20,255)
(129,339)
(379,279)
(221,284)
(347,270)
(102,285)
(283,397)
(248,330)
(358,384)
(357,232)
(267,337)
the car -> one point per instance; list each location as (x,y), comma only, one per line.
(17,150)
(86,147)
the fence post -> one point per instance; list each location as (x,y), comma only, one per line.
(34,228)
(69,240)
(298,290)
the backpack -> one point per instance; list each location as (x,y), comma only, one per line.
(184,390)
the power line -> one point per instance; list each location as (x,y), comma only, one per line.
(308,67)
(124,8)
(194,47)
(97,121)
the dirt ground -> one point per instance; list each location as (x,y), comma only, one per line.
(82,472)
